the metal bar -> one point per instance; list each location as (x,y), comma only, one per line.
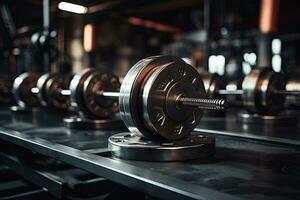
(109,94)
(34,194)
(207,104)
(53,185)
(262,138)
(152,183)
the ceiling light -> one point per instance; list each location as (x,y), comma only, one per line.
(74,8)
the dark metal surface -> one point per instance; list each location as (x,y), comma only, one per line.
(284,133)
(77,122)
(240,169)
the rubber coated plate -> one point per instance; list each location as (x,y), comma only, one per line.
(84,88)
(101,106)
(53,91)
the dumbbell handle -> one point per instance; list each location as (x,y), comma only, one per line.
(202,103)
(240,92)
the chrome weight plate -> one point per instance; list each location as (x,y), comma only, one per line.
(161,112)
(213,83)
(101,106)
(84,88)
(130,99)
(133,147)
(259,96)
(76,88)
(53,89)
(22,90)
(41,85)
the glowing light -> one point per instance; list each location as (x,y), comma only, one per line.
(88,33)
(276,63)
(216,64)
(152,25)
(276,46)
(74,8)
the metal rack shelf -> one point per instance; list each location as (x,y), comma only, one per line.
(241,169)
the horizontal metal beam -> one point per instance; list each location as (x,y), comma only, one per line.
(152,183)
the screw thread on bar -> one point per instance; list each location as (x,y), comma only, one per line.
(207,104)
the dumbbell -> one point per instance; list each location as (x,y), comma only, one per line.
(33,90)
(213,83)
(263,92)
(161,100)
(160,97)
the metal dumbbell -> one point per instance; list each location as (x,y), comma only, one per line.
(263,92)
(21,90)
(160,97)
(33,90)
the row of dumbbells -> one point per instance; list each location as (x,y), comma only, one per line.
(161,98)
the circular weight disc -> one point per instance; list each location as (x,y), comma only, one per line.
(258,87)
(41,85)
(130,99)
(213,83)
(162,113)
(133,147)
(54,86)
(22,90)
(278,120)
(76,88)
(77,122)
(101,106)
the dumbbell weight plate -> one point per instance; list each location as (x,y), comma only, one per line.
(258,87)
(84,87)
(22,90)
(41,85)
(131,99)
(161,111)
(212,83)
(101,106)
(53,88)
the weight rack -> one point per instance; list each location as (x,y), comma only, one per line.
(235,167)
